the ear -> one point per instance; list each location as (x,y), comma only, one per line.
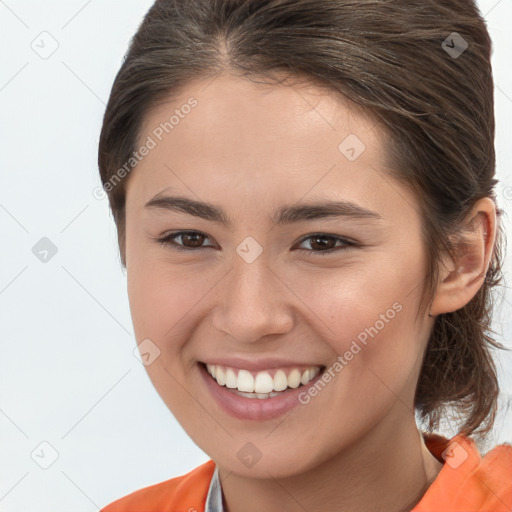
(462,274)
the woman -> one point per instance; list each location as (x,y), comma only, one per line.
(303,192)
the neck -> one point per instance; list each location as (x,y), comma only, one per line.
(388,470)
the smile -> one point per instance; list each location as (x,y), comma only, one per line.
(262,384)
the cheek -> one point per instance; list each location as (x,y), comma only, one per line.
(160,297)
(162,300)
(357,300)
(384,370)
(167,302)
(368,317)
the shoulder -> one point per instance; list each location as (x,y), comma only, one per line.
(185,493)
(469,481)
(495,469)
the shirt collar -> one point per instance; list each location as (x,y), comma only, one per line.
(214,497)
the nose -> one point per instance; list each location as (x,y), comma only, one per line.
(253,302)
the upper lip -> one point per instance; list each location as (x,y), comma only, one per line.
(267,363)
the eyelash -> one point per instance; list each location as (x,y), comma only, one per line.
(168,240)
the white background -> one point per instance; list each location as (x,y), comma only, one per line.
(68,374)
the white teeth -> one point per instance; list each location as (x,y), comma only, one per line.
(263,385)
(261,396)
(245,381)
(294,379)
(280,381)
(220,376)
(231,380)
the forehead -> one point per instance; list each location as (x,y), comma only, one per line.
(228,105)
(229,133)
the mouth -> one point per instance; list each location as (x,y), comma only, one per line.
(262,385)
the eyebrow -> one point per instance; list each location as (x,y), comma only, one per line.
(285,215)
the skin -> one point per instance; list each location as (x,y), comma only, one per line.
(251,148)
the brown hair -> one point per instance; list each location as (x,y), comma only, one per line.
(400,62)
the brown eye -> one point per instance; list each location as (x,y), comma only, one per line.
(194,239)
(326,244)
(190,240)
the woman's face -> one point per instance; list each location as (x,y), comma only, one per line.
(280,174)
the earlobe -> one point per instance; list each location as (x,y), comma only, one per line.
(462,275)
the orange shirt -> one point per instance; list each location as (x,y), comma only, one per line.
(467,482)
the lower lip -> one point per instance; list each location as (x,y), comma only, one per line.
(254,408)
